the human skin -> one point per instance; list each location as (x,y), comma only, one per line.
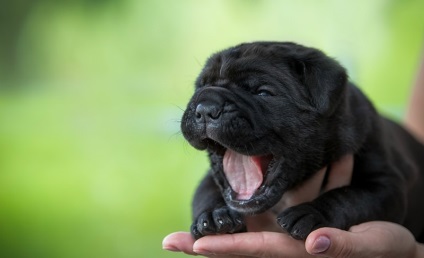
(414,118)
(371,239)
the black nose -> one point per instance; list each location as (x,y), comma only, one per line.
(206,112)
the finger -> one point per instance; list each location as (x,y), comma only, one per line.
(179,242)
(305,192)
(340,173)
(251,244)
(370,239)
(332,242)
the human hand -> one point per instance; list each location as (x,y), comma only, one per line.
(370,239)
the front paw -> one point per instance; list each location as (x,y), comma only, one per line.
(301,220)
(219,221)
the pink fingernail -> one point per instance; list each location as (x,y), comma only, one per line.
(321,244)
(203,252)
(171,248)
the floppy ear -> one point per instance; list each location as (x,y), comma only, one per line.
(324,78)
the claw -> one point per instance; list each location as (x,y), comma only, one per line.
(220,221)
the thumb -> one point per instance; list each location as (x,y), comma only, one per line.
(332,242)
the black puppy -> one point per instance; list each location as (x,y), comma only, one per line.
(270,115)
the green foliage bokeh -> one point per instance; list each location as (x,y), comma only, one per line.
(92,162)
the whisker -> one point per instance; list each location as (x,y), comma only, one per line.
(180,108)
(197,61)
(174,136)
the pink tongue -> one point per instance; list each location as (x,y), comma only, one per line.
(243,173)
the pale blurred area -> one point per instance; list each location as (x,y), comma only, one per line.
(92,163)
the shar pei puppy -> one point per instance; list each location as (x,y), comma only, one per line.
(270,115)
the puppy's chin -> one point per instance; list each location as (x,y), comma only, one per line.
(260,202)
(251,184)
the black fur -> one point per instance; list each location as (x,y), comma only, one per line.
(296,105)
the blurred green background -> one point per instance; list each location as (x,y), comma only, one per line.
(92,161)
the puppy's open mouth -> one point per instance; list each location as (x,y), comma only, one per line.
(245,174)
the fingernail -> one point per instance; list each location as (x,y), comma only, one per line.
(321,244)
(202,252)
(171,248)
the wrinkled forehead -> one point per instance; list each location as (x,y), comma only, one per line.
(237,65)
